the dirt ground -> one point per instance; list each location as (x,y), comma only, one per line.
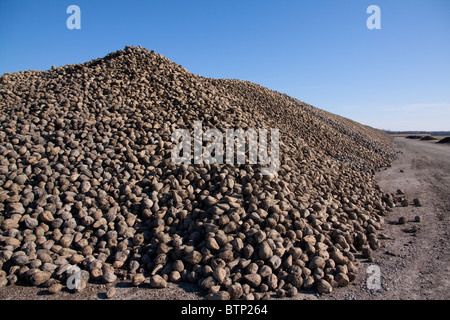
(412,265)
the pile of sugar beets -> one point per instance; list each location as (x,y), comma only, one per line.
(87,180)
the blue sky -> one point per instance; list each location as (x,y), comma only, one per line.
(320,52)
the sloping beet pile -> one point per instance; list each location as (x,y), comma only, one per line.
(444,140)
(428,138)
(87,180)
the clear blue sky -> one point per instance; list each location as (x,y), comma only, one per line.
(320,52)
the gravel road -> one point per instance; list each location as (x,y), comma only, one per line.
(412,265)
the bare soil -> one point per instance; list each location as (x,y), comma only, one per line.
(413,265)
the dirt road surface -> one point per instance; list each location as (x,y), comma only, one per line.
(411,265)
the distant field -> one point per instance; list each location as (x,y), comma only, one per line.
(440,137)
(405,135)
(435,134)
(418,134)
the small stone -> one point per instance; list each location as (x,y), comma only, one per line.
(254,280)
(30,223)
(367,253)
(265,252)
(235,291)
(341,279)
(226,255)
(3,282)
(55,288)
(8,224)
(338,257)
(82,285)
(37,277)
(46,217)
(280,293)
(324,286)
(138,279)
(275,262)
(272,281)
(111,293)
(212,244)
(157,281)
(174,276)
(308,283)
(416,202)
(292,292)
(351,276)
(178,266)
(402,220)
(214,289)
(12,279)
(10,241)
(76,259)
(207,283)
(249,296)
(295,279)
(221,238)
(85,186)
(109,277)
(20,258)
(220,274)
(193,257)
(96,274)
(48,267)
(16,208)
(237,244)
(317,262)
(209,201)
(66,240)
(264,271)
(413,229)
(417,218)
(247,251)
(21,179)
(317,207)
(50,282)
